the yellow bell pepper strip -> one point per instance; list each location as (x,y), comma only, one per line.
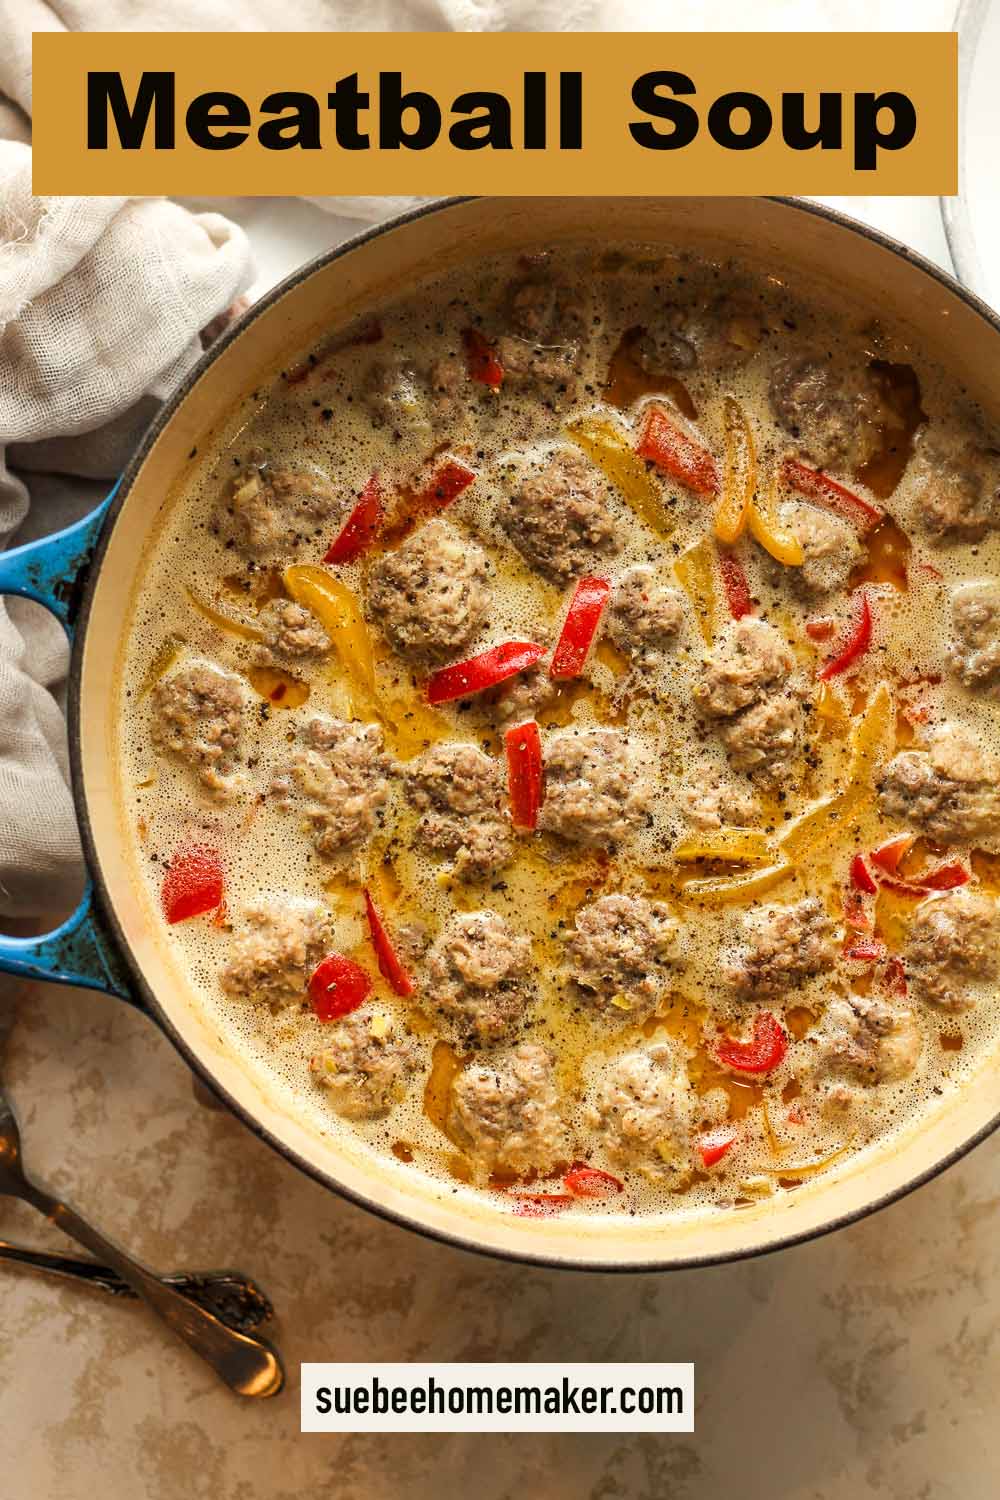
(722,890)
(338,611)
(224,621)
(874,739)
(768,529)
(670,448)
(739,478)
(735,846)
(809,1168)
(695,572)
(608,447)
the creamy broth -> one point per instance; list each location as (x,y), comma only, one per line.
(645,330)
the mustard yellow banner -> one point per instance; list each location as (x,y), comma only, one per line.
(615,113)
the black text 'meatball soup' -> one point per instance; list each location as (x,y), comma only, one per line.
(561,733)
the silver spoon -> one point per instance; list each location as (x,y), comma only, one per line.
(247,1364)
(234,1298)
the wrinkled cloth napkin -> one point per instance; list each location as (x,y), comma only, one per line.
(105,304)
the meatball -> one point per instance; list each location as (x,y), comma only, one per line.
(430,597)
(505,1113)
(273,513)
(558,517)
(460,793)
(414,404)
(598,788)
(784,945)
(545,324)
(619,955)
(526,696)
(954,938)
(862,1041)
(717,333)
(830,547)
(667,344)
(955,494)
(340,777)
(837,415)
(275,951)
(643,1112)
(747,684)
(643,616)
(292,635)
(198,712)
(975,647)
(710,800)
(366,1066)
(950,791)
(749,663)
(478,975)
(764,740)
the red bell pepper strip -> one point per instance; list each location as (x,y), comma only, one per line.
(817,486)
(524,773)
(735,585)
(446,484)
(591,1182)
(856,914)
(389,966)
(359,529)
(538,1205)
(764,1052)
(666,445)
(944,877)
(193,883)
(861,877)
(856,644)
(866,951)
(819,630)
(338,986)
(713,1144)
(579,627)
(888,855)
(483,671)
(481,359)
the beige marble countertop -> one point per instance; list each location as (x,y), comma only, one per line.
(866,1363)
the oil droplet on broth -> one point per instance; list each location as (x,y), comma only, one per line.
(279,688)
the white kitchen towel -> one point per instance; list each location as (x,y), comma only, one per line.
(104,303)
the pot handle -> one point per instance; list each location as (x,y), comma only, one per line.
(79,952)
(53,571)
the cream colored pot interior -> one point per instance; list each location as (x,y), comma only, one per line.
(781,238)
